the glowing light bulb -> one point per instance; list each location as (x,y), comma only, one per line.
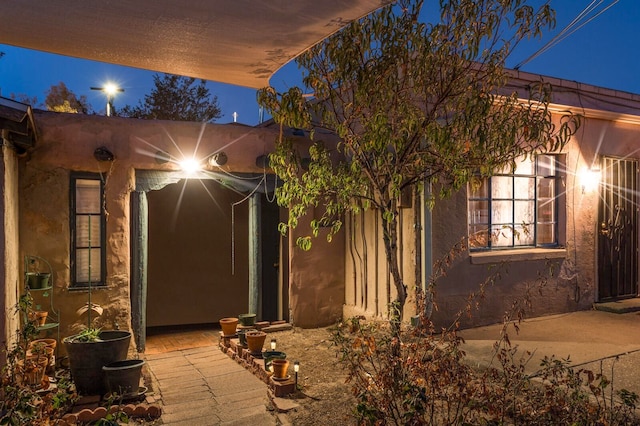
(190,166)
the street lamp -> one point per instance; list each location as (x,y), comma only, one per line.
(110,90)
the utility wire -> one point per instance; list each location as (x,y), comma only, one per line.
(571,28)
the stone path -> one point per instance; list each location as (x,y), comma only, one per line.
(204,387)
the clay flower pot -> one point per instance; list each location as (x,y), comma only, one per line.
(247,319)
(39,317)
(280,368)
(229,326)
(255,340)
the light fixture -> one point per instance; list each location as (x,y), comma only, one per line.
(218,159)
(590,179)
(103,154)
(273,344)
(296,368)
(162,157)
(262,161)
(190,166)
(110,90)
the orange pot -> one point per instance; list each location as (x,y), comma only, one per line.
(229,326)
(280,368)
(255,341)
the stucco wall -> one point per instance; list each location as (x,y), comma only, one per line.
(10,267)
(67,143)
(530,279)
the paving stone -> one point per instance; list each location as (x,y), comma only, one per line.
(283,405)
(209,405)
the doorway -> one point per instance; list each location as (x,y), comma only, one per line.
(618,230)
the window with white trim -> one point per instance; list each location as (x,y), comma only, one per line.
(87,231)
(516,208)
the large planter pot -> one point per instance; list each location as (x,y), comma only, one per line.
(86,359)
(255,341)
(123,377)
(229,326)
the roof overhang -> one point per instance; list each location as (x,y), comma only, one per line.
(241,42)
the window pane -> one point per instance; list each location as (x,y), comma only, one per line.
(524,235)
(524,211)
(502,212)
(524,187)
(478,212)
(546,233)
(546,188)
(82,265)
(501,236)
(87,196)
(546,165)
(479,188)
(501,187)
(478,236)
(82,231)
(546,211)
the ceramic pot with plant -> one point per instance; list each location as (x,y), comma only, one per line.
(39,317)
(255,341)
(229,326)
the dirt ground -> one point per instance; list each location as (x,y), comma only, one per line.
(324,398)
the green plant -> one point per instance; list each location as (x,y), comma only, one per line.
(87,335)
(20,403)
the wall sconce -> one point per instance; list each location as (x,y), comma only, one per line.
(103,154)
(296,368)
(190,166)
(273,344)
(218,159)
(162,157)
(590,179)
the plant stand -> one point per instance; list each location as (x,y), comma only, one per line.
(39,284)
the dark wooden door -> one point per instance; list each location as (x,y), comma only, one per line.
(617,229)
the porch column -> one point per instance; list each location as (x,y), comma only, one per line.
(255,256)
(139,258)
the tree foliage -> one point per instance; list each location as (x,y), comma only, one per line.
(176,98)
(61,99)
(411,102)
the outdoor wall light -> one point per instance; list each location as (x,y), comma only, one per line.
(218,159)
(190,165)
(273,344)
(103,154)
(590,179)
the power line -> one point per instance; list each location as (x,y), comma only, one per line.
(571,28)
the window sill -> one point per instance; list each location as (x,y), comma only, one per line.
(497,256)
(86,288)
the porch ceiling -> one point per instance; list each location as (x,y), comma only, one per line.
(241,42)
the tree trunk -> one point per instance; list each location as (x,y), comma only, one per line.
(390,237)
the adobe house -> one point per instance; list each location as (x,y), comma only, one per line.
(575,214)
(102,202)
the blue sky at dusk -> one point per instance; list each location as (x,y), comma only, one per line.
(604,52)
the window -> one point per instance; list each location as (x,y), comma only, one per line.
(87,231)
(516,208)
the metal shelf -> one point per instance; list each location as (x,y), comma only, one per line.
(44,295)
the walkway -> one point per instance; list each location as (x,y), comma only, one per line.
(201,386)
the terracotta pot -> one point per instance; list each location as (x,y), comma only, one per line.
(39,317)
(31,371)
(51,344)
(229,326)
(280,368)
(255,340)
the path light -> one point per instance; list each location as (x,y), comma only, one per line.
(273,344)
(296,368)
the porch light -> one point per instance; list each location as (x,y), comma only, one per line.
(590,179)
(190,166)
(273,344)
